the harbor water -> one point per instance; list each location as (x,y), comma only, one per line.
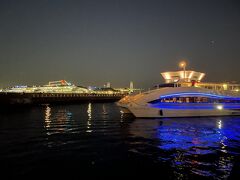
(96,140)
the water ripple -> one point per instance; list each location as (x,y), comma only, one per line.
(96,137)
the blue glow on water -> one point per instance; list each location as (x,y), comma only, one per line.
(193,135)
(201,136)
(206,147)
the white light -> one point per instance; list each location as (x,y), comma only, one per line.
(219,124)
(167,76)
(190,76)
(219,107)
(182,74)
(201,76)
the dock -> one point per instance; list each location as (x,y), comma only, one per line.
(51,98)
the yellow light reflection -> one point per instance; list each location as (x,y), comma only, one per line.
(89,113)
(47,117)
(122,116)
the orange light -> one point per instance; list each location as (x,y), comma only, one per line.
(182,64)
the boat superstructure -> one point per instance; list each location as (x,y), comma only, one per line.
(58,92)
(61,86)
(183,95)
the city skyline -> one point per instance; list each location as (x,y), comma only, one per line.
(95,42)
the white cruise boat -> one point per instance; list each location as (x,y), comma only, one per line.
(183,95)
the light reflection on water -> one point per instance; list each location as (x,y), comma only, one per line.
(57,121)
(203,146)
(98,135)
(89,113)
(60,120)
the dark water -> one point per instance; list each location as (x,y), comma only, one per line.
(79,141)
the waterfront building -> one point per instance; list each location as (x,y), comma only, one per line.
(62,86)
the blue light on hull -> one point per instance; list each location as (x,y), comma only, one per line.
(192,106)
(194,94)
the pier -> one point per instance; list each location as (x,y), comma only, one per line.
(51,98)
(61,92)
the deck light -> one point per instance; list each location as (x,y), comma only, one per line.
(225,86)
(183,65)
(219,107)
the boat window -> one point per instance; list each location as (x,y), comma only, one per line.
(193,100)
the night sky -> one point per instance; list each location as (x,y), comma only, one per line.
(91,42)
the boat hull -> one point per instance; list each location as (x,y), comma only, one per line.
(146,112)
